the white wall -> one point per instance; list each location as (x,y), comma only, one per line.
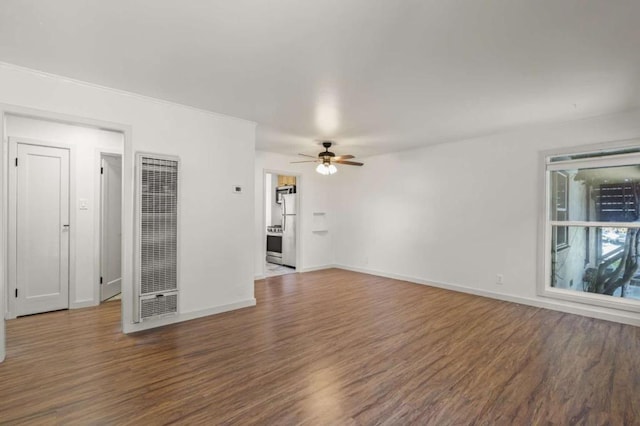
(314,195)
(216,153)
(84,144)
(457,214)
(273,207)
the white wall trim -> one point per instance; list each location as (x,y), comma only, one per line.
(121,92)
(301,270)
(554,305)
(319,268)
(83,304)
(186,316)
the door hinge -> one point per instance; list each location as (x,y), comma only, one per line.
(100,280)
(101,170)
(16,292)
(16,161)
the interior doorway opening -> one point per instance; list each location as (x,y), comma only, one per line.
(282,208)
(64,215)
(110,227)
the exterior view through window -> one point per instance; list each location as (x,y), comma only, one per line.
(593,228)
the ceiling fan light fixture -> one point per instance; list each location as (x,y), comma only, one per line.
(326,158)
(326,169)
(322,169)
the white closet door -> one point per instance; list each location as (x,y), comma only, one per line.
(41,229)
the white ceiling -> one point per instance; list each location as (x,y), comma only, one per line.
(375,75)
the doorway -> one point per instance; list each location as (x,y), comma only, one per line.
(39,227)
(110,226)
(83,140)
(47,159)
(281,207)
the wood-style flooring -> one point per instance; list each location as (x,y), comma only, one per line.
(330,348)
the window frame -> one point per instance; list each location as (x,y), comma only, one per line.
(564,209)
(548,162)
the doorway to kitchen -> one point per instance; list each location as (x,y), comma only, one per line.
(281,202)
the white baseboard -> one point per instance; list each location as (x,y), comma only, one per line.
(316,268)
(83,304)
(561,306)
(308,269)
(72,305)
(186,316)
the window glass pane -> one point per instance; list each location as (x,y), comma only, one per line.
(603,194)
(597,260)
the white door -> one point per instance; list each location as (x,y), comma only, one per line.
(111,233)
(41,225)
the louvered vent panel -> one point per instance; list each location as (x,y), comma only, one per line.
(158,305)
(158,231)
(157,235)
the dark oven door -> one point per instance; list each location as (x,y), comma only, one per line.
(274,245)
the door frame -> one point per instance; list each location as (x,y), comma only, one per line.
(126,130)
(98,214)
(299,211)
(12,224)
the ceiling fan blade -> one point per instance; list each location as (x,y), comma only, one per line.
(350,163)
(310,156)
(306,161)
(343,157)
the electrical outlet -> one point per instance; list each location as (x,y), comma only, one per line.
(499,279)
(366,260)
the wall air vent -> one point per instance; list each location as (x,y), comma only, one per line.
(158,305)
(157,235)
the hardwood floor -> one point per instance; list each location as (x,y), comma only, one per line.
(326,347)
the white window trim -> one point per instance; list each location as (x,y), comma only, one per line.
(545,225)
(565,209)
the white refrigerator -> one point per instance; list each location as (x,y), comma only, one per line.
(289,204)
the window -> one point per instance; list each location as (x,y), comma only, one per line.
(591,249)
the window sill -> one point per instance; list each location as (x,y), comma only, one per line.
(601,300)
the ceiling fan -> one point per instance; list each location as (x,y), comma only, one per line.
(326,159)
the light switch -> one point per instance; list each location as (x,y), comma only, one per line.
(84,204)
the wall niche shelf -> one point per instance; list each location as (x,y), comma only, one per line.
(319,224)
